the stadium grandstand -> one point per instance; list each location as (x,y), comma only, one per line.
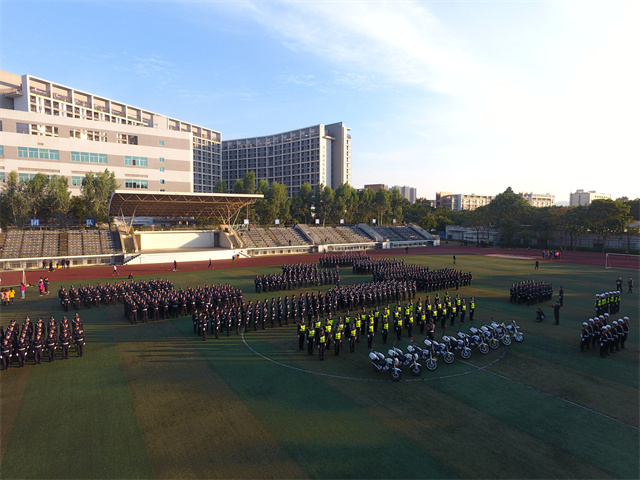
(158,227)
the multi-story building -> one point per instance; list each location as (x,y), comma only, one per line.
(539,200)
(53,129)
(410,193)
(580,197)
(318,154)
(376,186)
(459,201)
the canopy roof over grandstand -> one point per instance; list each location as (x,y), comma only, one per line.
(222,206)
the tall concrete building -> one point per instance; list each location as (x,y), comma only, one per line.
(49,128)
(57,130)
(580,197)
(410,193)
(317,154)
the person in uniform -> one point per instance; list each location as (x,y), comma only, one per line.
(38,345)
(584,337)
(302,332)
(337,339)
(353,335)
(311,336)
(370,334)
(322,344)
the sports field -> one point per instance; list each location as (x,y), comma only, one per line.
(155,401)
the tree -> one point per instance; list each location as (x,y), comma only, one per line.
(345,203)
(96,191)
(606,218)
(365,210)
(57,200)
(575,223)
(15,207)
(220,187)
(249,183)
(509,212)
(397,204)
(382,202)
(238,186)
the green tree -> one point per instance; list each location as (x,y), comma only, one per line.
(575,223)
(249,182)
(382,202)
(96,191)
(220,187)
(15,206)
(238,186)
(346,200)
(397,204)
(365,210)
(509,212)
(606,218)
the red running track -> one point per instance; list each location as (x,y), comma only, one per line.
(161,269)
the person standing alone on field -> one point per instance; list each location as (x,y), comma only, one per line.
(630,283)
(556,312)
(175,265)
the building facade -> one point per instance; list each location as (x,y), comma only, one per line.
(539,200)
(580,197)
(459,201)
(410,193)
(317,154)
(49,128)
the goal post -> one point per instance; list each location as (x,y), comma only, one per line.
(621,260)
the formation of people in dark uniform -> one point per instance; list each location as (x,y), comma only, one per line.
(425,279)
(530,292)
(600,333)
(346,259)
(33,338)
(296,276)
(607,302)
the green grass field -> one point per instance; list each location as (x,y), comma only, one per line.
(155,401)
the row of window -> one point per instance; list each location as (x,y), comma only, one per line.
(87,157)
(135,161)
(42,153)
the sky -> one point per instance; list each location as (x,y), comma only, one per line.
(455,96)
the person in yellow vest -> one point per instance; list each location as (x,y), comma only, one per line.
(409,325)
(311,335)
(322,344)
(385,328)
(443,316)
(370,334)
(463,310)
(376,319)
(363,321)
(328,332)
(316,326)
(337,341)
(302,334)
(353,333)
(357,327)
(472,309)
(399,328)
(454,313)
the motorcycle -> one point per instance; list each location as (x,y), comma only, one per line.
(501,332)
(440,349)
(424,354)
(476,340)
(404,360)
(490,337)
(514,331)
(382,364)
(458,344)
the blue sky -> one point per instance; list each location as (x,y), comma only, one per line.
(460,96)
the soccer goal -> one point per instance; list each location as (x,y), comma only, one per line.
(621,260)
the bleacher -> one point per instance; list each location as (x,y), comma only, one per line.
(257,237)
(354,234)
(46,243)
(288,236)
(329,235)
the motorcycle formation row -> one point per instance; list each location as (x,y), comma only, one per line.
(485,338)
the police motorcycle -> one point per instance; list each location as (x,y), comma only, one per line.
(490,337)
(514,330)
(382,364)
(501,332)
(424,354)
(475,340)
(458,344)
(406,360)
(440,349)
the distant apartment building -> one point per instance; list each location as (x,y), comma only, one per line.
(539,200)
(410,193)
(317,154)
(57,130)
(459,201)
(376,186)
(580,197)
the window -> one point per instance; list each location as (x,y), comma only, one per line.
(161,159)
(134,183)
(76,181)
(22,128)
(2,177)
(54,154)
(135,161)
(161,182)
(23,152)
(87,157)
(161,143)
(1,150)
(162,169)
(33,153)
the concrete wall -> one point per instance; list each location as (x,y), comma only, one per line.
(172,240)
